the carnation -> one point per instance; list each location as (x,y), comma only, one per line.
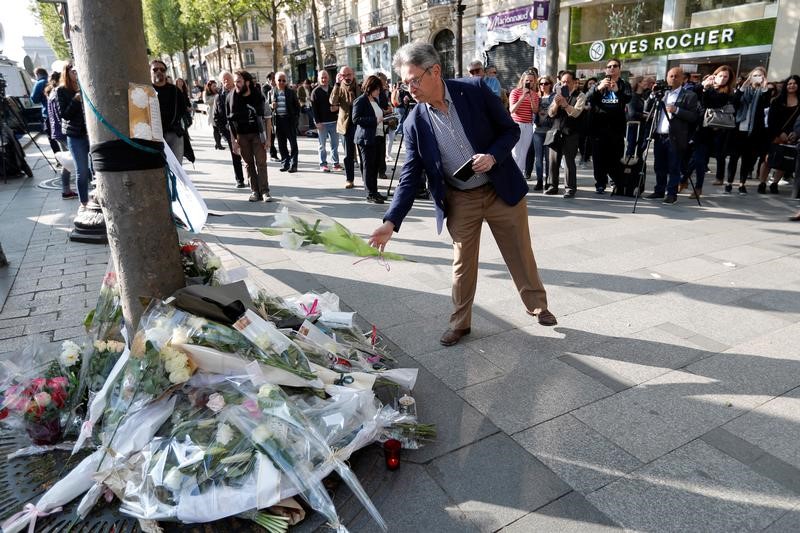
(224,434)
(180,376)
(261,433)
(70,353)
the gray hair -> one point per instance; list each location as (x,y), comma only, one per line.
(422,55)
(222,75)
(477,63)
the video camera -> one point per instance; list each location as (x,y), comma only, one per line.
(659,89)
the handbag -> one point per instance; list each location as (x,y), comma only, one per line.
(720,118)
(553,138)
(782,157)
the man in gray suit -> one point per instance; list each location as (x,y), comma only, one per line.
(676,113)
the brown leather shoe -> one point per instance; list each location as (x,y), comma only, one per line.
(546,318)
(452,336)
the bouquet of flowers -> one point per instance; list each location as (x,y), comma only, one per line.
(41,397)
(200,264)
(104,322)
(99,361)
(300,226)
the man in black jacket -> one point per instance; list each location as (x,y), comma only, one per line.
(250,121)
(267,90)
(173,104)
(608,100)
(326,121)
(221,121)
(676,111)
(286,110)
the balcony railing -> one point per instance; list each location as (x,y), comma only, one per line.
(381,17)
(352,26)
(439,2)
(309,39)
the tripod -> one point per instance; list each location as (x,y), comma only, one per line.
(4,108)
(660,106)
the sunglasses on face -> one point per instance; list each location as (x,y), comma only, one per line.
(159,69)
(612,66)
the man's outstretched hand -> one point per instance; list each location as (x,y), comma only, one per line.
(381,236)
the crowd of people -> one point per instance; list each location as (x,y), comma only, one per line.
(747,126)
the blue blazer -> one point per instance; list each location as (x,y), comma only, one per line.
(490,130)
(363,116)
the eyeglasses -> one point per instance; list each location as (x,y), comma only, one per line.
(414,82)
(281,81)
(612,66)
(159,69)
(545,83)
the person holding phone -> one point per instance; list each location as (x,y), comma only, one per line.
(607,124)
(566,114)
(457,121)
(524,103)
(750,137)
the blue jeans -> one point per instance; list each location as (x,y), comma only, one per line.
(541,156)
(79,148)
(328,130)
(667,165)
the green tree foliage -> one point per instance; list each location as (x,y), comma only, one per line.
(268,11)
(52,25)
(164,32)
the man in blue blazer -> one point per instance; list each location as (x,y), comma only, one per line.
(460,121)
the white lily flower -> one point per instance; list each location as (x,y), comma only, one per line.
(282,219)
(291,241)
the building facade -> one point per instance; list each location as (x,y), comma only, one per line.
(650,37)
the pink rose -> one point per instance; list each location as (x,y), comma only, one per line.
(110,280)
(251,407)
(42,399)
(59,381)
(38,384)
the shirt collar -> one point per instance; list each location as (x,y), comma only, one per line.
(446,99)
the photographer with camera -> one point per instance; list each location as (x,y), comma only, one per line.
(607,127)
(344,92)
(563,136)
(524,102)
(675,111)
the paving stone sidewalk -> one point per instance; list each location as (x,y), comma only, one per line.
(667,398)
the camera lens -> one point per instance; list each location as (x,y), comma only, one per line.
(528,85)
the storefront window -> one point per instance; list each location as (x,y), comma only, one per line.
(615,19)
(698,13)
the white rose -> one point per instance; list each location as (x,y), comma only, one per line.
(174,365)
(180,335)
(115,346)
(196,322)
(173,480)
(213,262)
(216,402)
(266,390)
(224,434)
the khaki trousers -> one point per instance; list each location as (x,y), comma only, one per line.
(466,212)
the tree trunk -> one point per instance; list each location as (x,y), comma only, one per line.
(317,40)
(274,20)
(187,65)
(552,37)
(236,42)
(218,32)
(401,31)
(109,53)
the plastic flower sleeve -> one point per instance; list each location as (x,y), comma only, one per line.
(201,265)
(279,429)
(104,322)
(133,434)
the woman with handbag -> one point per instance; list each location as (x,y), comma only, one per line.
(524,105)
(749,139)
(563,136)
(712,135)
(783,113)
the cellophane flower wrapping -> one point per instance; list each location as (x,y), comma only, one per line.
(104,322)
(301,226)
(200,468)
(38,390)
(279,429)
(200,264)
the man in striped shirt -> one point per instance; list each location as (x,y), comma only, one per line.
(458,122)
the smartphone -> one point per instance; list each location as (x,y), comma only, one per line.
(565,91)
(465,171)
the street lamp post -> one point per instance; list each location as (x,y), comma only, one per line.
(228,48)
(460,9)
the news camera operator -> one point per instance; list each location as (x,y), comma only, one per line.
(675,110)
(607,124)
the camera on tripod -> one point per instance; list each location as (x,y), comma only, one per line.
(659,89)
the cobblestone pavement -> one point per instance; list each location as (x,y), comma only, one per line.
(667,398)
